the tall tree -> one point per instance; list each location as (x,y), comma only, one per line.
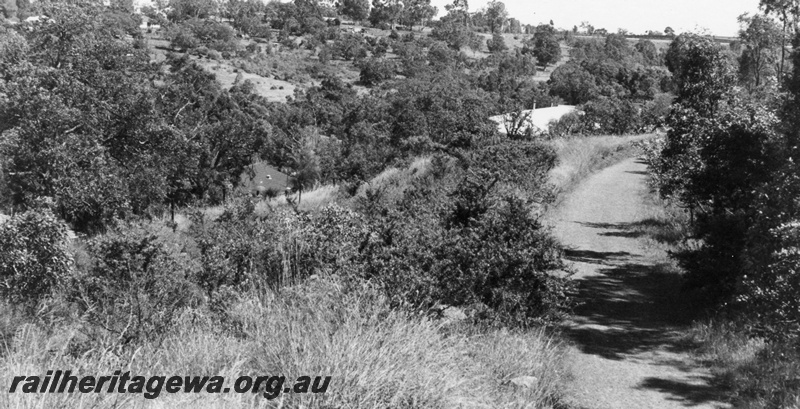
(701,71)
(788,12)
(358,10)
(459,11)
(544,45)
(418,11)
(496,15)
(454,34)
(760,36)
(386,11)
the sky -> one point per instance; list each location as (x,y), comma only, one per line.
(637,16)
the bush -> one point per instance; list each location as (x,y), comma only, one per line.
(325,54)
(349,47)
(497,44)
(195,32)
(468,239)
(375,71)
(569,124)
(454,35)
(612,116)
(138,282)
(34,256)
(182,37)
(253,48)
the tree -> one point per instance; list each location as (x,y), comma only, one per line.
(375,71)
(786,10)
(385,12)
(458,11)
(669,31)
(92,124)
(760,36)
(648,51)
(497,44)
(617,47)
(247,17)
(573,83)
(588,27)
(34,256)
(544,45)
(186,9)
(417,11)
(701,71)
(357,10)
(454,34)
(496,15)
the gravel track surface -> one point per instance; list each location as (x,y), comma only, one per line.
(627,350)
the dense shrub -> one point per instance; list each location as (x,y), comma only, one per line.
(455,35)
(466,238)
(612,116)
(182,37)
(375,71)
(181,10)
(349,47)
(34,256)
(195,32)
(496,44)
(137,284)
(569,124)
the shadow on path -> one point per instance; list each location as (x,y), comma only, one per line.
(694,394)
(632,306)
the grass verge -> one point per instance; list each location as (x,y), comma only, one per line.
(376,356)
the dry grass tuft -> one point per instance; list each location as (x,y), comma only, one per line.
(377,357)
(308,200)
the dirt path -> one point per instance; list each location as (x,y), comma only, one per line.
(627,350)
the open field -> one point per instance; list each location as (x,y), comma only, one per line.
(272,89)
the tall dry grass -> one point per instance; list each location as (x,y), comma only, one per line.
(393,181)
(308,200)
(377,357)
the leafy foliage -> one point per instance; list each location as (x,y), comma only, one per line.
(34,256)
(455,35)
(544,45)
(468,254)
(376,70)
(137,285)
(497,44)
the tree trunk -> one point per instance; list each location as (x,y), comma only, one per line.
(783,48)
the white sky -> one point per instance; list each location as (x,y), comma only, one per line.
(637,16)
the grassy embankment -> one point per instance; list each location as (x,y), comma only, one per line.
(377,357)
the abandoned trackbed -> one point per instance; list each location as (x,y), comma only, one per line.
(627,349)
